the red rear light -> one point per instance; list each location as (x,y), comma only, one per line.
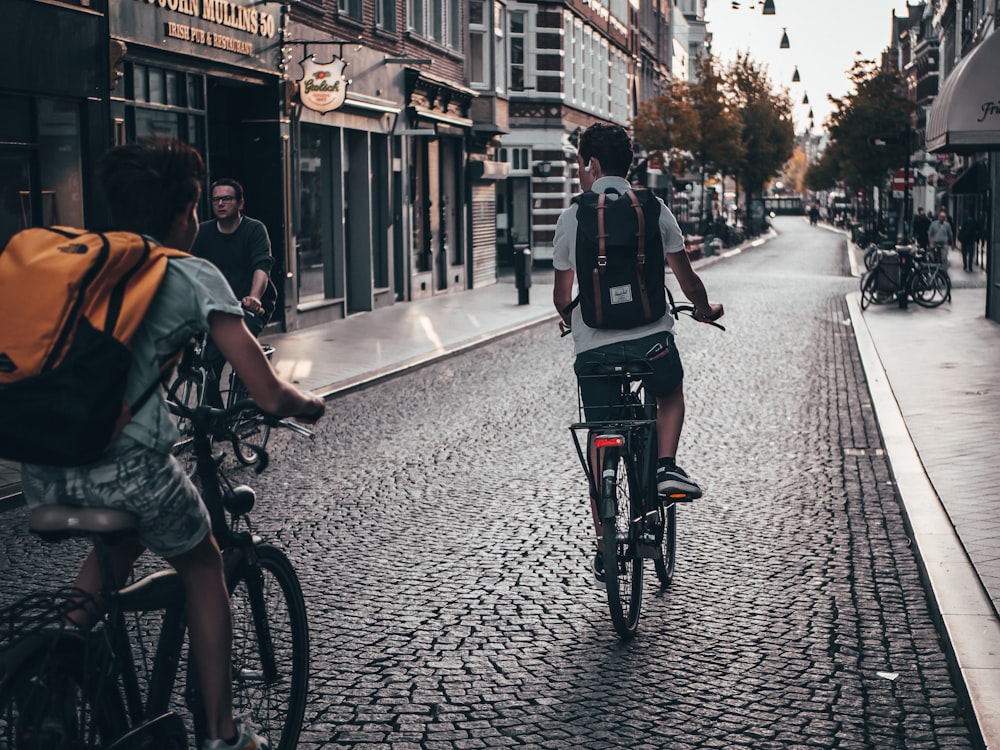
(609,441)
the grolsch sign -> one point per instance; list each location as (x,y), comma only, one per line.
(323,86)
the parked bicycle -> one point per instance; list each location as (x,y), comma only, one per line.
(902,274)
(248,434)
(636,524)
(64,687)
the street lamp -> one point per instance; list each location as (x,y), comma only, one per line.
(805,98)
(795,76)
(768,7)
(784,38)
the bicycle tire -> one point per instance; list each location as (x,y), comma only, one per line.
(931,288)
(51,702)
(251,434)
(666,562)
(268,607)
(190,393)
(622,564)
(870,293)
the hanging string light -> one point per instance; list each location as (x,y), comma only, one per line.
(768,7)
(795,76)
(805,98)
(784,38)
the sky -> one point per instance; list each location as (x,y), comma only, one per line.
(824,39)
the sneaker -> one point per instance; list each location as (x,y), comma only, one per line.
(597,566)
(674,484)
(246,739)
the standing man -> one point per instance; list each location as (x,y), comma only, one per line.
(604,158)
(921,223)
(941,237)
(241,249)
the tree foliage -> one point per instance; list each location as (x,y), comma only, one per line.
(767,131)
(875,109)
(667,125)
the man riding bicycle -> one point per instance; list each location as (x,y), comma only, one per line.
(153,188)
(604,158)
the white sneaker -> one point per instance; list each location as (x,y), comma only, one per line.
(246,739)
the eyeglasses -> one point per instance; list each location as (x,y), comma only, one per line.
(223,199)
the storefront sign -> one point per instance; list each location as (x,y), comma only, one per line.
(218,29)
(323,87)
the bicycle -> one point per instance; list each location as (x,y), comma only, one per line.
(248,434)
(636,523)
(902,274)
(81,688)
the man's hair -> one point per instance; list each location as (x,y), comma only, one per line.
(228,182)
(150,182)
(610,145)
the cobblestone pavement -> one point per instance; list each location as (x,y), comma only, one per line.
(439,527)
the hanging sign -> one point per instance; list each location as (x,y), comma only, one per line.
(323,87)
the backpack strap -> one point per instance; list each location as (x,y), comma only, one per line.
(640,258)
(602,258)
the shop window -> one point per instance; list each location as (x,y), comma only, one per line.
(165,102)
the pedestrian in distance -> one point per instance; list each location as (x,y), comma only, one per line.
(921,223)
(941,237)
(968,235)
(153,189)
(604,157)
(240,248)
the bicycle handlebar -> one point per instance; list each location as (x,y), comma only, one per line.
(215,421)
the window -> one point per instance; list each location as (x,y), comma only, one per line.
(385,14)
(437,20)
(165,102)
(518,53)
(500,48)
(479,64)
(351,8)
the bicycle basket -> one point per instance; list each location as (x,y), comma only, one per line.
(40,610)
(614,393)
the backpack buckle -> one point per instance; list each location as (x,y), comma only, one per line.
(602,261)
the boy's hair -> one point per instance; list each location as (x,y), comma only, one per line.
(148,183)
(229,182)
(610,145)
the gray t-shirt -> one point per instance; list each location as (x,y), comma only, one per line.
(191,289)
(564,259)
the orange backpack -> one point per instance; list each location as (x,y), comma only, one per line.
(71,301)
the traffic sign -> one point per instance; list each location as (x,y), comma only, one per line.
(899,180)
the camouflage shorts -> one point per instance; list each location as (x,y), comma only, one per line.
(172,517)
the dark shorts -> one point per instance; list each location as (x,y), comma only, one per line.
(599,394)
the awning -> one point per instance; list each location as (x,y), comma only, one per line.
(965,115)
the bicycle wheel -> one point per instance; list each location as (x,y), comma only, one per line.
(52,701)
(930,288)
(270,647)
(189,393)
(622,564)
(871,294)
(252,435)
(668,546)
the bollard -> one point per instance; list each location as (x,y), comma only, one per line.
(522,272)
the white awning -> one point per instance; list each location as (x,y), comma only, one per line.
(965,115)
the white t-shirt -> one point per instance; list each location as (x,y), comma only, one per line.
(564,259)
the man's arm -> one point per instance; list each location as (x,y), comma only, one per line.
(693,287)
(269,392)
(562,293)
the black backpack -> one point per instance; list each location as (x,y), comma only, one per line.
(619,259)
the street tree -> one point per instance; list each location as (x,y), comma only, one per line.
(767,132)
(666,125)
(869,133)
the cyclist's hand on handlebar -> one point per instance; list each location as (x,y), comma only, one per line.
(713,313)
(313,412)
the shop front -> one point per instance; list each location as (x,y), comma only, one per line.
(53,124)
(347,179)
(965,119)
(207,73)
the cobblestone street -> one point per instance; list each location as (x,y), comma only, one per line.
(440,529)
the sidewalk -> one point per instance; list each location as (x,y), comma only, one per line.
(934,377)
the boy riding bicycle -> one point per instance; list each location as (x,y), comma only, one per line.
(604,158)
(153,188)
